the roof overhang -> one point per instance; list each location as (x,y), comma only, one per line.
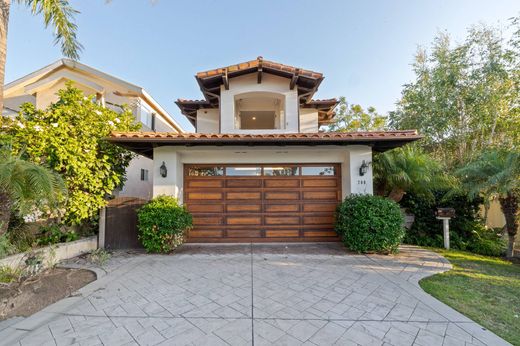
(143,143)
(306,82)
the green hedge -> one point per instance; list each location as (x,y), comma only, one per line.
(162,224)
(467,230)
(370,224)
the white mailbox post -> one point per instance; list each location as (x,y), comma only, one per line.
(445,214)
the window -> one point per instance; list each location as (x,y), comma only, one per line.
(144,174)
(259,111)
(243,171)
(205,171)
(147,117)
(281,171)
(317,170)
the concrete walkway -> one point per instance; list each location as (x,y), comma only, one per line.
(256,295)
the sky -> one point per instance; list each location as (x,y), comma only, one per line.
(363,48)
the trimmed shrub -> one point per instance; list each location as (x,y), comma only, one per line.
(370,224)
(162,224)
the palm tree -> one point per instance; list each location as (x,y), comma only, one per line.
(24,185)
(496,174)
(408,169)
(56,13)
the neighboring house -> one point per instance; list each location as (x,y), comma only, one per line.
(40,88)
(258,169)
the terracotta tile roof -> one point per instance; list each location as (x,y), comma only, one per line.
(144,142)
(274,136)
(255,64)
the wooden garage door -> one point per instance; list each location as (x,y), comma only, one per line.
(262,203)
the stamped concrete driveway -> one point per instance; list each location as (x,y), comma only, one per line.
(256,295)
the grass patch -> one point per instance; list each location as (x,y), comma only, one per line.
(485,289)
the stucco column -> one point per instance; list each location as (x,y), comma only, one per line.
(353,181)
(171,185)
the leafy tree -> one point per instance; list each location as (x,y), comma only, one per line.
(69,137)
(496,174)
(408,169)
(56,13)
(464,97)
(351,117)
(24,185)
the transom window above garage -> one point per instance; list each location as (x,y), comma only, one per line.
(261,170)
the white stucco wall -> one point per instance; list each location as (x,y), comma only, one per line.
(349,157)
(134,186)
(208,121)
(248,84)
(308,120)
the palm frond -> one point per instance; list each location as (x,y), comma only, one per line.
(60,15)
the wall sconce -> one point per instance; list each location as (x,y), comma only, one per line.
(363,169)
(163,170)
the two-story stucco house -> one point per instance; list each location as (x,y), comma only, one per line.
(40,88)
(257,168)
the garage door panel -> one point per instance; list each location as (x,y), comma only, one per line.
(320,234)
(252,208)
(325,182)
(205,208)
(282,233)
(244,220)
(243,195)
(244,183)
(217,183)
(320,195)
(287,195)
(244,233)
(319,207)
(318,220)
(207,220)
(282,220)
(282,208)
(206,233)
(205,195)
(288,183)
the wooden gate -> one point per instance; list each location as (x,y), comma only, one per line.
(121,223)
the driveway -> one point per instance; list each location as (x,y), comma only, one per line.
(256,295)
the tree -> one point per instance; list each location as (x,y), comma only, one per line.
(464,98)
(56,13)
(408,169)
(25,185)
(69,137)
(496,174)
(354,118)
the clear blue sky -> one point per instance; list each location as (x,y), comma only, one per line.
(364,48)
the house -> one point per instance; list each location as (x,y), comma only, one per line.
(40,88)
(258,168)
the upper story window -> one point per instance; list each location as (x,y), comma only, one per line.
(147,117)
(259,111)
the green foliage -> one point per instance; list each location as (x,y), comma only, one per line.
(464,97)
(162,224)
(6,247)
(99,257)
(53,234)
(8,274)
(487,242)
(370,224)
(21,237)
(69,137)
(408,170)
(25,186)
(351,118)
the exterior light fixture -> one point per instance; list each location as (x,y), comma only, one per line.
(363,169)
(163,170)
(254,118)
